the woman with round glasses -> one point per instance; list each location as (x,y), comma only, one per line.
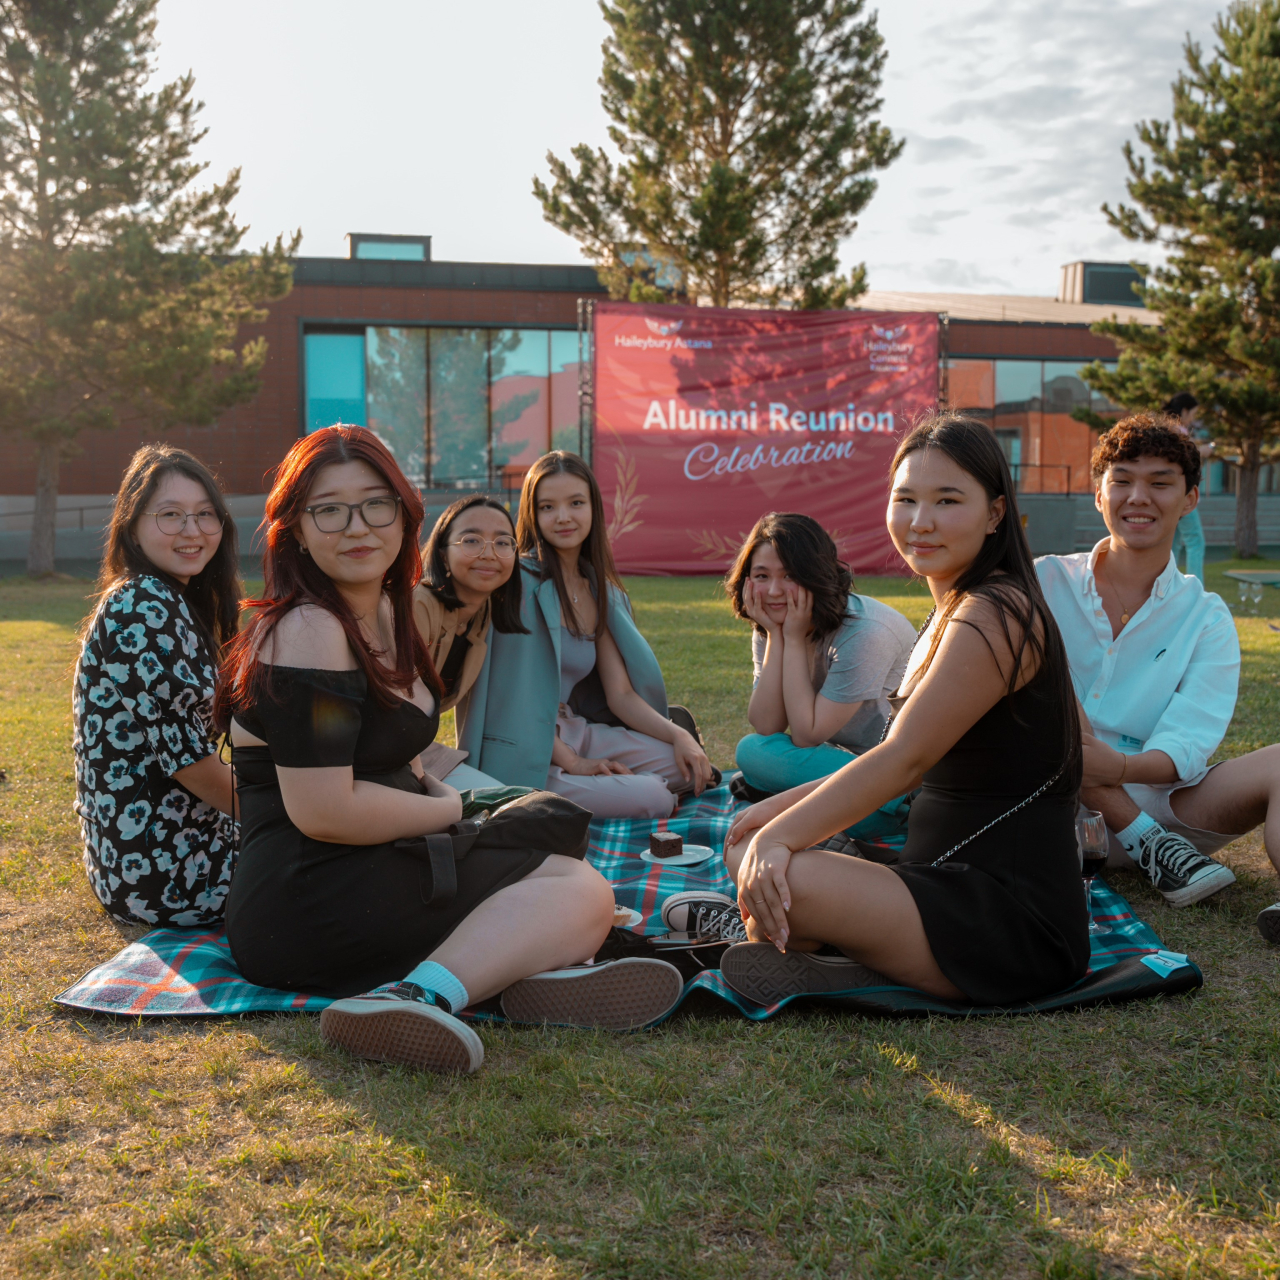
(468,582)
(153,797)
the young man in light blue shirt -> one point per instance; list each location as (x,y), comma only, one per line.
(1156,663)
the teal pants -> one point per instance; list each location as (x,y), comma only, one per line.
(772,762)
(1189,538)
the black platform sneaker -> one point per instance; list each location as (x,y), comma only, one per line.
(1178,869)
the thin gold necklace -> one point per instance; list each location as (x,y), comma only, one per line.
(1125,615)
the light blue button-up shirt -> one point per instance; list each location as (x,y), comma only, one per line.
(1168,681)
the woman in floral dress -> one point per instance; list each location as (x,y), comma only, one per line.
(155,802)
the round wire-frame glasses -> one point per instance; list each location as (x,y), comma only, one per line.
(472,546)
(173,520)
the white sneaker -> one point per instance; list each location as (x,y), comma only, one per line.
(399,1024)
(1178,869)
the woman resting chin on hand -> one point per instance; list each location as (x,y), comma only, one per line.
(985,902)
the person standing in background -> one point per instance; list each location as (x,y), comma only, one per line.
(1188,541)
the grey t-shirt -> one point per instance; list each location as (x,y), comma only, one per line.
(861,661)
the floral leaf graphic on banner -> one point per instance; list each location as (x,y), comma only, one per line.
(712,546)
(626,502)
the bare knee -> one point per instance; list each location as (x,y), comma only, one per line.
(733,855)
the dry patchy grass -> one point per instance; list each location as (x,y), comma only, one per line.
(1140,1140)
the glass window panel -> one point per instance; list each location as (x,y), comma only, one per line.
(971,384)
(335,379)
(1017,386)
(396,376)
(1098,402)
(521,400)
(564,391)
(1064,389)
(389,251)
(459,407)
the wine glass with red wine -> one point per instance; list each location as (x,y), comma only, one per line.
(1091,834)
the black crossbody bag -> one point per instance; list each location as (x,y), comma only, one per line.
(540,821)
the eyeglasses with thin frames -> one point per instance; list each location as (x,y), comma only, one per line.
(335,517)
(173,520)
(472,546)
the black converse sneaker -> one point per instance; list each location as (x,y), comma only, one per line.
(707,914)
(1269,923)
(759,971)
(398,1023)
(1178,869)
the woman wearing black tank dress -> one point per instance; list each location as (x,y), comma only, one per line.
(987,730)
(330,697)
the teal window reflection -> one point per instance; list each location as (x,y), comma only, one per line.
(396,381)
(1017,386)
(335,379)
(459,407)
(520,397)
(1064,389)
(566,433)
(389,251)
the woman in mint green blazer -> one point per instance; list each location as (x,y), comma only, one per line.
(577,706)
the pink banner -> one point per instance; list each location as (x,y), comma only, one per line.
(707,418)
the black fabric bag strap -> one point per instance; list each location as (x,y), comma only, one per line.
(438,853)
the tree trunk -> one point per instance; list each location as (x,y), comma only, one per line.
(45,522)
(1247,500)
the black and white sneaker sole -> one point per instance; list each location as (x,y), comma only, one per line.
(759,971)
(404,1031)
(1269,923)
(1201,886)
(617,995)
(677,900)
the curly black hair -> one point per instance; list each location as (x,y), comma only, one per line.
(1148,435)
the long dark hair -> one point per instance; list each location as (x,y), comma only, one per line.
(294,579)
(811,560)
(213,594)
(594,552)
(504,601)
(1003,571)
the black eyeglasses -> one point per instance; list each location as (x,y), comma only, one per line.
(334,517)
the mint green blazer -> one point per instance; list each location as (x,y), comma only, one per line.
(507,722)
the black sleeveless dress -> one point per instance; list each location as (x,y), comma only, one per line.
(338,919)
(1005,916)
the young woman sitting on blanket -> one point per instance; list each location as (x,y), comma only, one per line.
(330,697)
(469,582)
(577,704)
(984,904)
(153,797)
(826,659)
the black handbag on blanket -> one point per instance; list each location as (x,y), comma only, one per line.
(539,820)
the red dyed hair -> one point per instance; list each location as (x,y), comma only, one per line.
(293,579)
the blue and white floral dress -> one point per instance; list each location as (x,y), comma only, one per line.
(154,852)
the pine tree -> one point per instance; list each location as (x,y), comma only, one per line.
(121,289)
(747,139)
(1210,195)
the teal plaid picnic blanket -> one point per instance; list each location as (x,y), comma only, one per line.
(190,973)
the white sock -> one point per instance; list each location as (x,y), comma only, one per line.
(1131,836)
(436,979)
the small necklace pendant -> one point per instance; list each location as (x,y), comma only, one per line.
(1124,618)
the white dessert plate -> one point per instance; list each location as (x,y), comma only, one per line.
(692,855)
(629,921)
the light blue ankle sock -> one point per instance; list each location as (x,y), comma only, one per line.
(1131,836)
(436,979)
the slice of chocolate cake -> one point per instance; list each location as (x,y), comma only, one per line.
(666,844)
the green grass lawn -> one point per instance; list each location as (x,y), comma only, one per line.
(1138,1141)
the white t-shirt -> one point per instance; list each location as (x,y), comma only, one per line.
(1168,681)
(862,660)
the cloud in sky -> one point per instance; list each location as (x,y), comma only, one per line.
(418,116)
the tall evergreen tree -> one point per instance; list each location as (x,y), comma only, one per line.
(121,291)
(747,138)
(1209,193)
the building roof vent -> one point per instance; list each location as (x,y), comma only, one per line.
(362,244)
(1102,283)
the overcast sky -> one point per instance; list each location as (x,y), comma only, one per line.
(425,117)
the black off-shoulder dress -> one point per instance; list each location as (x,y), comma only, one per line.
(338,919)
(1005,916)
